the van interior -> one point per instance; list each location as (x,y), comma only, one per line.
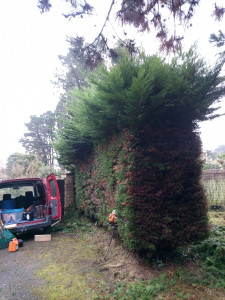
(26,196)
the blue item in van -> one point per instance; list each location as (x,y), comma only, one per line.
(12,215)
(7,204)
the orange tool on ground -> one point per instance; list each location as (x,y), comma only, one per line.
(13,245)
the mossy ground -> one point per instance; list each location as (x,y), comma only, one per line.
(69,269)
(73,267)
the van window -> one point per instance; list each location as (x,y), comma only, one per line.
(16,191)
(53,188)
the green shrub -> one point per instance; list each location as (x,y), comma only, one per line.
(144,290)
(212,253)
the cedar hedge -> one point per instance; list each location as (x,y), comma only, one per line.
(159,199)
(131,136)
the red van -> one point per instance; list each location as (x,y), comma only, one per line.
(30,203)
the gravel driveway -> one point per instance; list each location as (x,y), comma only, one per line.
(64,268)
(18,278)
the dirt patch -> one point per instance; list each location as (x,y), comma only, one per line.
(120,263)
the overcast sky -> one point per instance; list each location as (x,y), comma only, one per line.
(30,45)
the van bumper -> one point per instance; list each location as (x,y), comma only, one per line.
(36,224)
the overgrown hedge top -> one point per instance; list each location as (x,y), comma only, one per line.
(135,93)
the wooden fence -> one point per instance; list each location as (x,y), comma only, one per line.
(69,201)
(214,183)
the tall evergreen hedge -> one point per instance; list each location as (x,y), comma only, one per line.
(159,199)
(132,138)
(169,201)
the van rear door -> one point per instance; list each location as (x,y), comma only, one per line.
(54,197)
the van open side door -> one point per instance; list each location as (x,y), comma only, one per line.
(54,197)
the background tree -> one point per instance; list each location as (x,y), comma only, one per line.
(214,159)
(26,165)
(221,160)
(12,160)
(210,155)
(143,15)
(40,136)
(3,174)
(218,40)
(75,69)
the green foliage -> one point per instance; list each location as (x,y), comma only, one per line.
(71,145)
(221,160)
(135,93)
(212,249)
(124,202)
(150,190)
(72,222)
(96,181)
(212,253)
(218,41)
(145,290)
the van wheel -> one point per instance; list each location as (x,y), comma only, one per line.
(47,229)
